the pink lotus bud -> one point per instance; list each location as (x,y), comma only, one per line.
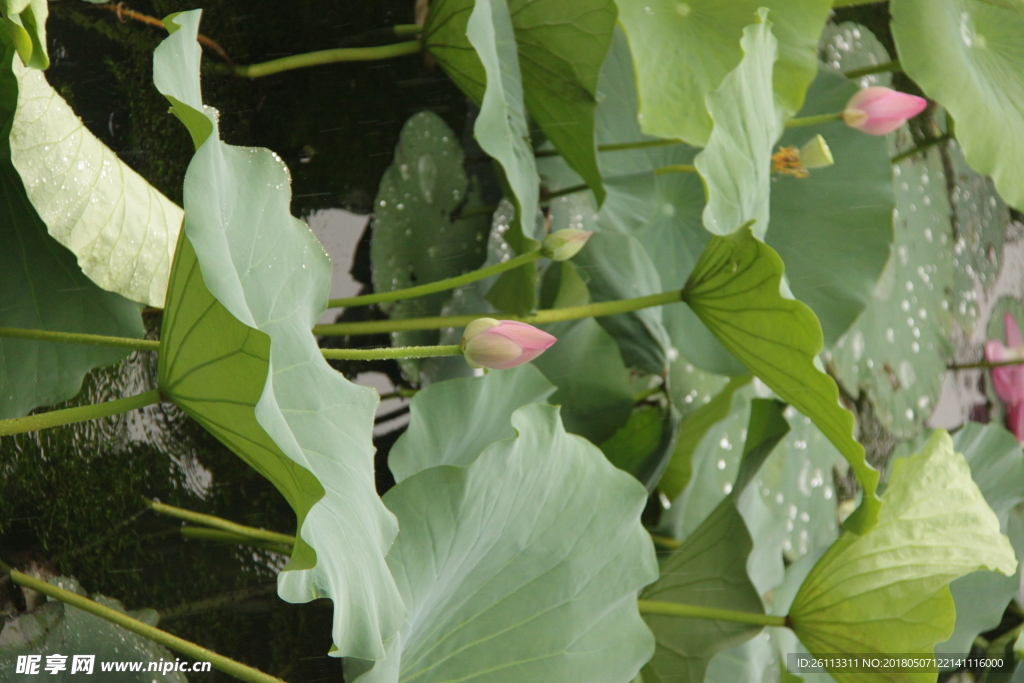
(502,344)
(877,110)
(562,245)
(1008,380)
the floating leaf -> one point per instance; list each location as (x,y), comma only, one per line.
(886,591)
(964,55)
(23,22)
(121,228)
(57,628)
(42,288)
(683,51)
(736,165)
(416,239)
(734,290)
(257,278)
(454,421)
(710,570)
(524,565)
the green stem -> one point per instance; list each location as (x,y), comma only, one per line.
(434,287)
(666,542)
(222,524)
(572,189)
(647,393)
(813,120)
(885,67)
(403,30)
(75,338)
(539,318)
(616,147)
(400,393)
(927,144)
(217,536)
(171,642)
(56,418)
(341,54)
(675,168)
(393,352)
(985,365)
(675,609)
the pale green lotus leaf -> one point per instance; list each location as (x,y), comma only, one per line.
(41,288)
(56,628)
(736,165)
(525,565)
(645,444)
(238,356)
(23,26)
(965,55)
(121,228)
(887,591)
(710,569)
(453,422)
(734,290)
(683,51)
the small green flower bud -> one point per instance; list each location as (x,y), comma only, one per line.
(562,245)
(816,154)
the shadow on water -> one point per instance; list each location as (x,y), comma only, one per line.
(70,498)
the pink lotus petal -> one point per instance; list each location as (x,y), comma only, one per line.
(878,110)
(1013,337)
(1015,420)
(527,336)
(1008,380)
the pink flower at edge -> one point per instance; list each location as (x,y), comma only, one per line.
(1008,380)
(878,110)
(503,344)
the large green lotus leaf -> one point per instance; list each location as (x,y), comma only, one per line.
(561,45)
(415,238)
(833,229)
(683,51)
(42,288)
(525,565)
(736,165)
(690,387)
(23,26)
(454,421)
(849,45)
(887,591)
(644,445)
(965,54)
(710,569)
(896,350)
(749,662)
(997,467)
(258,278)
(734,290)
(56,628)
(616,266)
(121,228)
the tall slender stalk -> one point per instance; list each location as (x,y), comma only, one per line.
(341,54)
(392,352)
(76,338)
(813,120)
(885,67)
(675,609)
(56,418)
(219,523)
(229,666)
(984,365)
(198,533)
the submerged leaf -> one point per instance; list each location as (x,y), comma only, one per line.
(734,290)
(887,591)
(257,278)
(524,565)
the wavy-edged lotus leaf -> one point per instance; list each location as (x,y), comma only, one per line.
(710,569)
(454,421)
(734,290)
(414,223)
(240,358)
(525,565)
(736,165)
(887,591)
(896,351)
(997,467)
(121,228)
(56,628)
(42,288)
(23,23)
(814,217)
(964,54)
(750,662)
(644,445)
(561,46)
(683,51)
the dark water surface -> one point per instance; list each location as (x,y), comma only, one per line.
(70,499)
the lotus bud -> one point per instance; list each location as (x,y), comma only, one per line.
(562,245)
(816,154)
(502,344)
(877,110)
